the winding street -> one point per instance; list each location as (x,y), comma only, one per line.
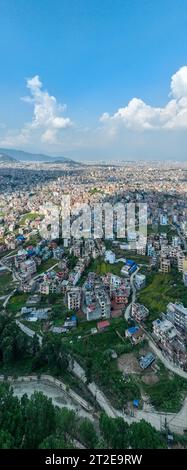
(61,395)
(177,422)
(168,364)
(14,277)
(28,331)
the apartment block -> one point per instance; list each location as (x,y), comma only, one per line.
(165,265)
(74,298)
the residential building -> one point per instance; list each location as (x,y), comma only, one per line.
(74,298)
(135,334)
(139,312)
(140,280)
(165,265)
(147,360)
(181,261)
(28,266)
(110,257)
(185,278)
(180,316)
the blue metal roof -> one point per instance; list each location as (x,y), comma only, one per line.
(136,403)
(147,360)
(130,262)
(20,237)
(133,329)
(73,318)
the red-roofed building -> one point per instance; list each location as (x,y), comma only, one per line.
(103,325)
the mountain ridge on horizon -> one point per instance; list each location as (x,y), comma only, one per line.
(5,158)
(21,155)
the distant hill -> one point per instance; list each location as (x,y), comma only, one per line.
(21,156)
(4,158)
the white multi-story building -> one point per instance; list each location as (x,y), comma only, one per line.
(185,278)
(28,266)
(165,265)
(115,281)
(131,236)
(74,298)
(139,312)
(44,288)
(164,331)
(104,302)
(179,315)
(180,261)
(163,219)
(141,249)
(150,250)
(140,280)
(176,241)
(110,256)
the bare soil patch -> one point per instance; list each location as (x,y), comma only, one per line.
(150,378)
(128,364)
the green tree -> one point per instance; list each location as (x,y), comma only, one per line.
(13,342)
(35,345)
(54,354)
(40,420)
(66,423)
(7,350)
(10,414)
(53,442)
(115,432)
(144,436)
(6,440)
(87,434)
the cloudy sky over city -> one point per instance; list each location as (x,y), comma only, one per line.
(94,80)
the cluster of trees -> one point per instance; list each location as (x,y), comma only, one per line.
(36,423)
(118,434)
(16,345)
(52,355)
(13,343)
(168,393)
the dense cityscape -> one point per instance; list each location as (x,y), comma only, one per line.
(97,324)
(93,233)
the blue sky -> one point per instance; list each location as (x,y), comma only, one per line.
(96,57)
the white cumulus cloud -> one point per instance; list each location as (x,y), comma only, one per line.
(47,120)
(47,114)
(138,115)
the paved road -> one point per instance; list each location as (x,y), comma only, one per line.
(8,298)
(28,331)
(41,274)
(80,373)
(94,389)
(177,421)
(168,364)
(54,389)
